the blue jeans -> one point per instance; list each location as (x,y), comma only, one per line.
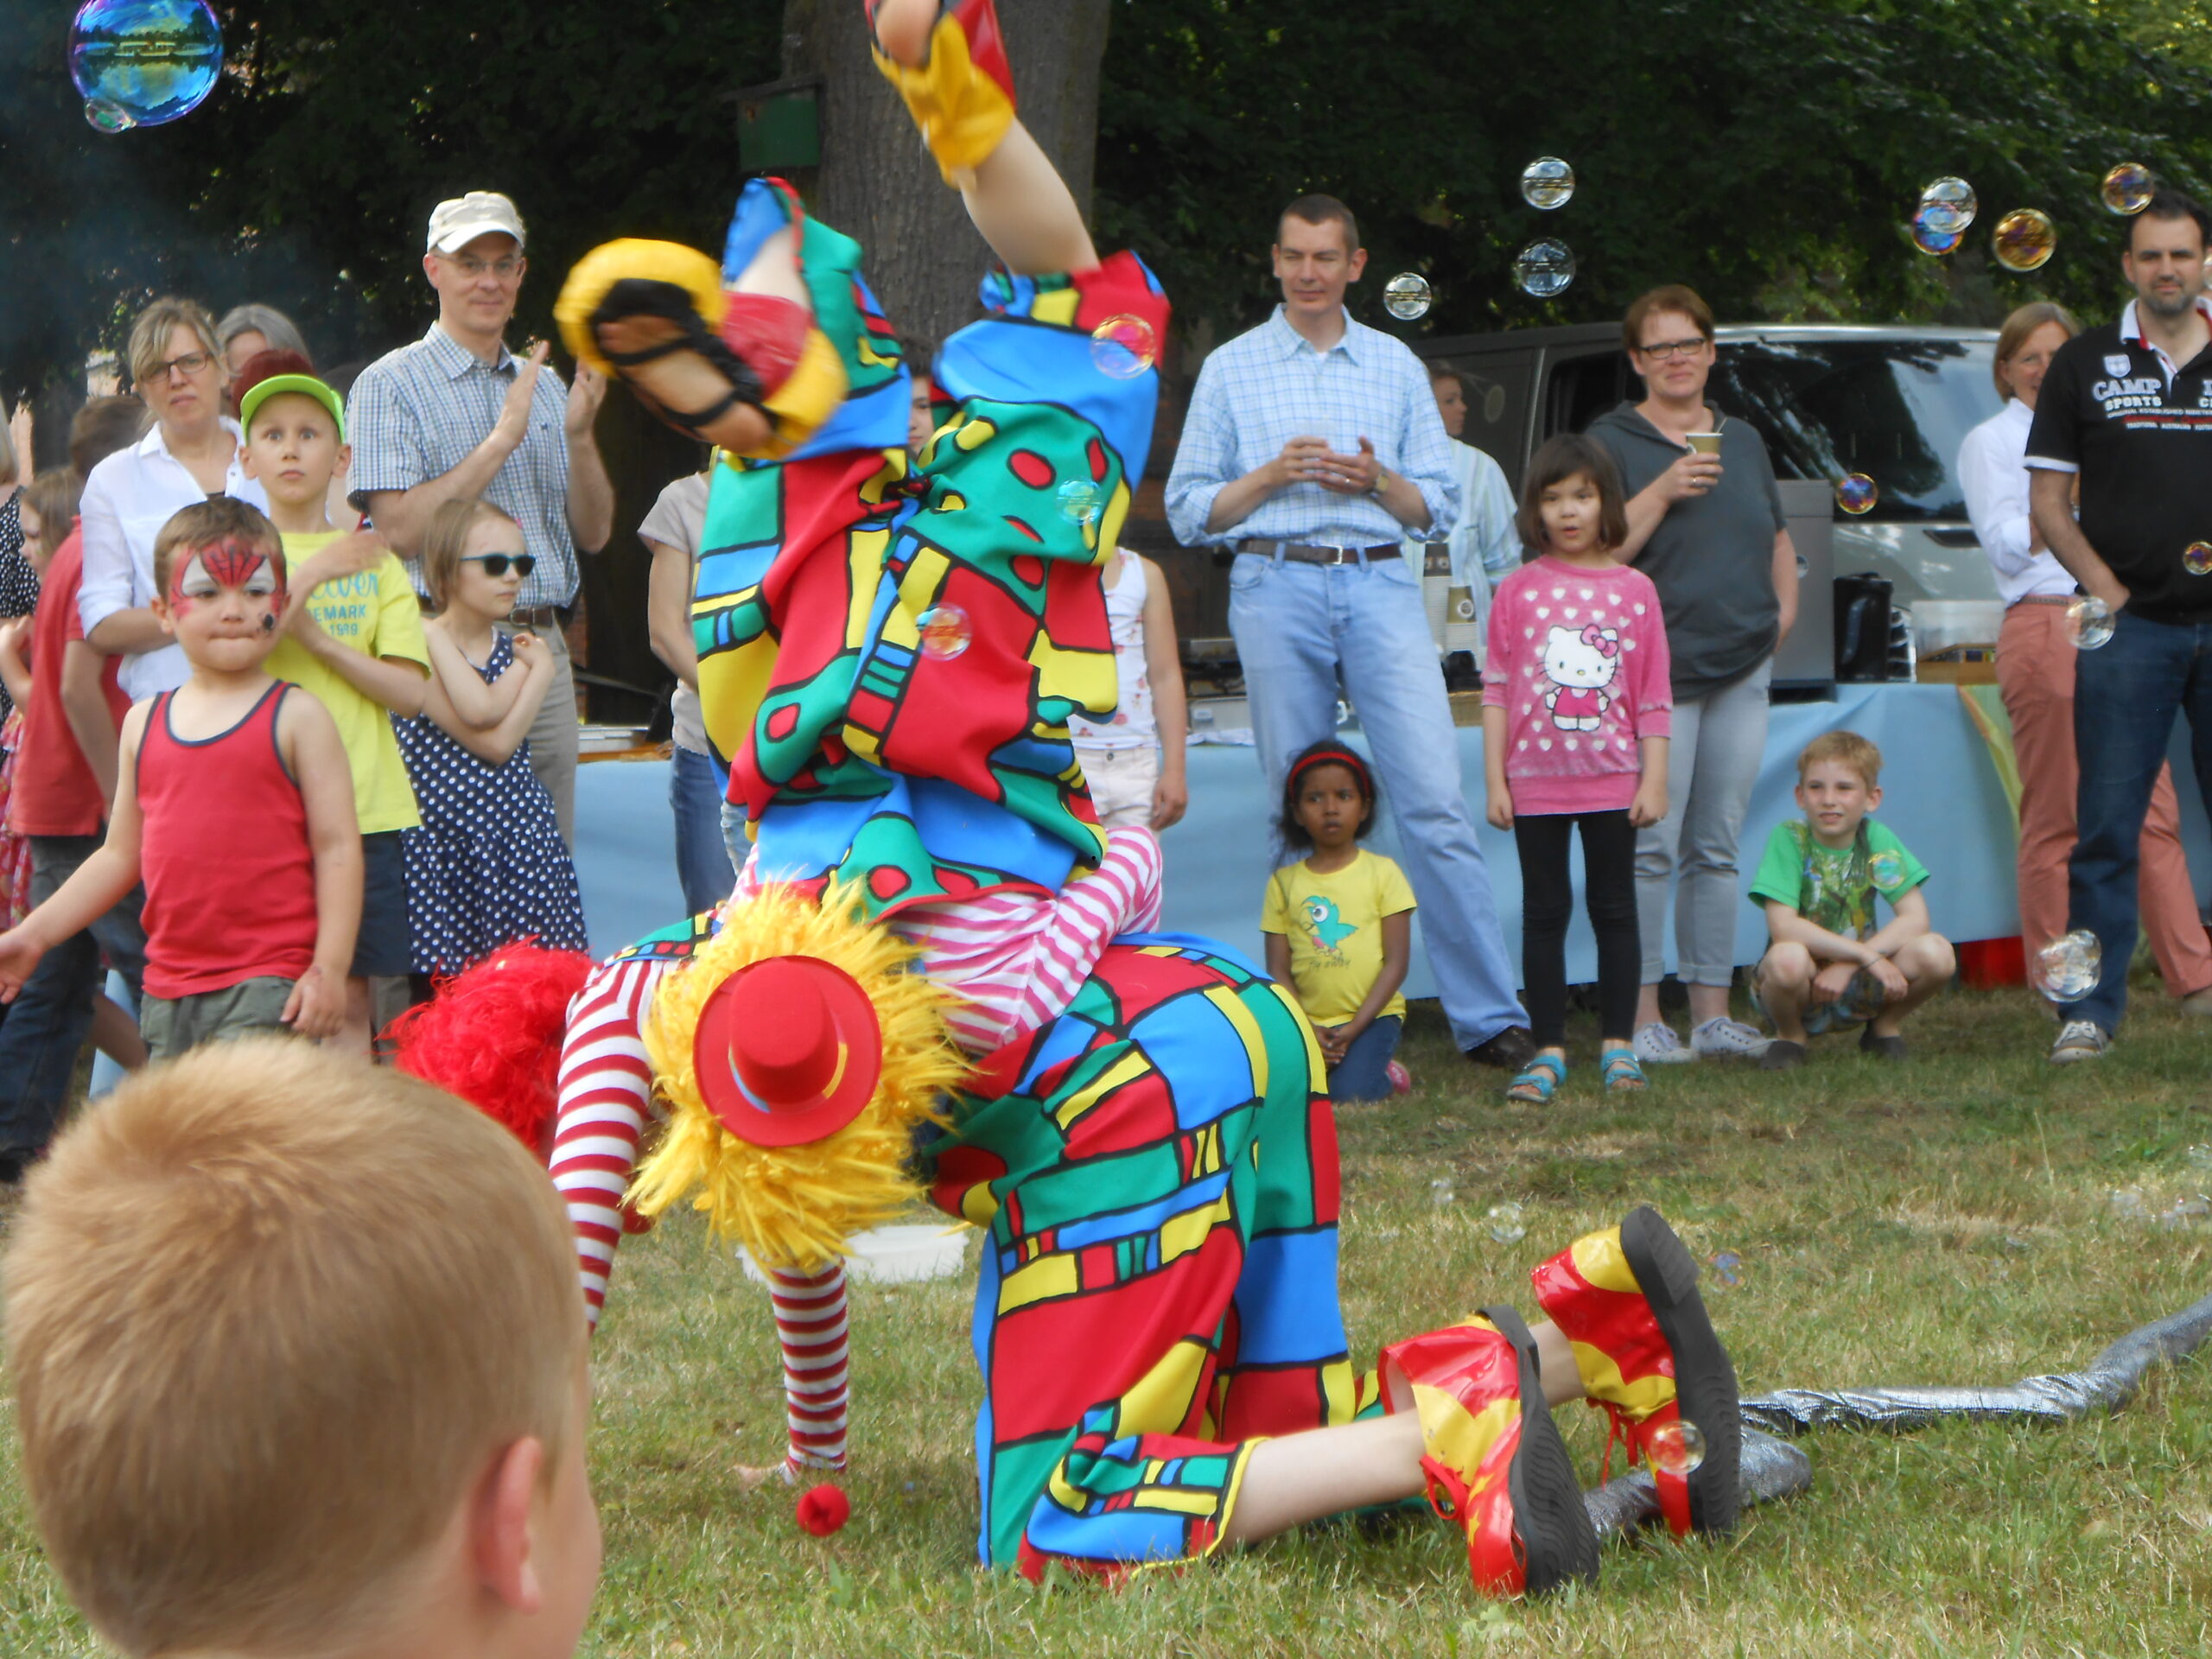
(1298,627)
(48,1021)
(702,864)
(2125,696)
(1363,1072)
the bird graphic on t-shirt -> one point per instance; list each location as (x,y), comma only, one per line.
(1324,926)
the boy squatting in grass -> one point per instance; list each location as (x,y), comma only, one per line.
(234,799)
(298,1362)
(1828,966)
(352,635)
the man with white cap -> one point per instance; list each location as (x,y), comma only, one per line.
(456,414)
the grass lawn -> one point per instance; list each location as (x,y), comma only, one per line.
(1948,1221)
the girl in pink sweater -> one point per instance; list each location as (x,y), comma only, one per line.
(1575,705)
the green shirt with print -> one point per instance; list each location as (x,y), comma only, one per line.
(1833,887)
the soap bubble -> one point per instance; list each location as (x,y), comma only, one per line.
(2089,620)
(1886,869)
(1506,1223)
(946,632)
(2197,558)
(1856,493)
(1547,182)
(2067,969)
(2025,239)
(1947,206)
(1440,1193)
(2126,1204)
(2127,188)
(1080,501)
(104,117)
(140,63)
(1123,346)
(1405,296)
(1544,269)
(1927,237)
(2198,1157)
(2186,1212)
(1676,1448)
(1727,1270)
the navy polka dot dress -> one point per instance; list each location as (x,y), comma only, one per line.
(487,866)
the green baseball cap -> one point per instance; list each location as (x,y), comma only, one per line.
(306,385)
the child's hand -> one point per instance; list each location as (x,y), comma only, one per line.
(15,635)
(529,650)
(1500,810)
(349,556)
(1334,1044)
(19,954)
(1831,982)
(315,1008)
(1889,977)
(1650,802)
(1169,796)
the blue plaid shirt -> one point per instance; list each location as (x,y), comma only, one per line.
(417,413)
(1267,386)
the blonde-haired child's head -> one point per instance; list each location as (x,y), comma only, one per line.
(445,544)
(1847,749)
(286,1332)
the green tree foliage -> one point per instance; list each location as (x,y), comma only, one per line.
(1771,156)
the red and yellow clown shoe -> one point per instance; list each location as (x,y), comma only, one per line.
(1627,1298)
(1495,1461)
(960,91)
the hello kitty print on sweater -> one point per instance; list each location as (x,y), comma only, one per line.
(1578,660)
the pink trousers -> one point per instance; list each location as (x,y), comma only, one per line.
(2034,675)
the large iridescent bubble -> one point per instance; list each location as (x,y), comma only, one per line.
(140,63)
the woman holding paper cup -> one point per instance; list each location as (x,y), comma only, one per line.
(2035,675)
(1706,524)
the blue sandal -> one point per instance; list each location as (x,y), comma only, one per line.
(1539,1080)
(1622,1076)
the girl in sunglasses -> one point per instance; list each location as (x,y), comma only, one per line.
(487,866)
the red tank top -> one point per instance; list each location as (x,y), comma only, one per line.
(224,851)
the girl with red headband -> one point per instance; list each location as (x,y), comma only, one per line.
(1339,924)
(1575,708)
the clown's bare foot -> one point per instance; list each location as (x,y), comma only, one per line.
(902,29)
(948,63)
(753,1476)
(681,386)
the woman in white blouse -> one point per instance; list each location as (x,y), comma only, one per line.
(188,454)
(2034,675)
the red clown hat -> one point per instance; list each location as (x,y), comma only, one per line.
(788,1050)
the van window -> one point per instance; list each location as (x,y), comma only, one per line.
(1895,410)
(1579,388)
(1498,403)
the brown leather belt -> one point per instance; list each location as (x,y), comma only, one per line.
(1304,553)
(538,617)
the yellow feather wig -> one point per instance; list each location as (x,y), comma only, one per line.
(796,1207)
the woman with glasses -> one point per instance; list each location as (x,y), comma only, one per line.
(1705,524)
(190,453)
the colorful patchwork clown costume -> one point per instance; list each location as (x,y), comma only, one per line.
(1134,1118)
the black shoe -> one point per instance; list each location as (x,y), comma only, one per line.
(1882,1048)
(1509,1051)
(1783,1055)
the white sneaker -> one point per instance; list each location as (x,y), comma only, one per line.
(1657,1045)
(2080,1040)
(1727,1039)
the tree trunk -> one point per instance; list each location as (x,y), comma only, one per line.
(877,182)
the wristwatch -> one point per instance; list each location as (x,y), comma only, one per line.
(1381,482)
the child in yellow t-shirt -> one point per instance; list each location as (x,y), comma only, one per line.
(353,638)
(1339,924)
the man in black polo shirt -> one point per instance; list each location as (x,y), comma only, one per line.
(2126,410)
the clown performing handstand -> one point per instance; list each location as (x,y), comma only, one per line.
(934,945)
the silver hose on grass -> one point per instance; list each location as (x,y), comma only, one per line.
(2108,1383)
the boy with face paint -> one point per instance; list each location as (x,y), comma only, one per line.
(235,801)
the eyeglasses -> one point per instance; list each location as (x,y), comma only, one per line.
(189,365)
(495,564)
(1667,348)
(505,269)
